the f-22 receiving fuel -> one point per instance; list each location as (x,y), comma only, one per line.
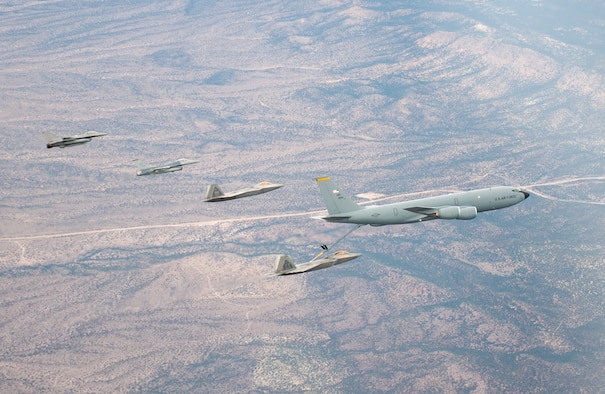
(145,169)
(79,139)
(285,266)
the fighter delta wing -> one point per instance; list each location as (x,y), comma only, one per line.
(462,206)
(214,192)
(54,140)
(144,169)
(285,266)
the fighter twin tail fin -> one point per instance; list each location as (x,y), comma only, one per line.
(214,191)
(283,263)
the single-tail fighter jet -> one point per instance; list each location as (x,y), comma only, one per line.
(461,206)
(145,169)
(61,142)
(214,192)
(285,266)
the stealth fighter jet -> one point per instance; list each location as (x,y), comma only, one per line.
(214,192)
(61,142)
(145,169)
(285,266)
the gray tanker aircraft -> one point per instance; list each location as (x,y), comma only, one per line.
(61,142)
(214,192)
(285,266)
(461,206)
(145,169)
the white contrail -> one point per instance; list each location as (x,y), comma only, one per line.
(568,180)
(561,182)
(158,226)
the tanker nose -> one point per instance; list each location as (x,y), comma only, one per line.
(526,194)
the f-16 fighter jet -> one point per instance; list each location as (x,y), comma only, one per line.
(61,142)
(214,192)
(145,169)
(462,206)
(285,266)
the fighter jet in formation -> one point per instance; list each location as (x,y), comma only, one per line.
(285,266)
(61,142)
(462,206)
(214,192)
(145,169)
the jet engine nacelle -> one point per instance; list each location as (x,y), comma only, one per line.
(467,213)
(455,212)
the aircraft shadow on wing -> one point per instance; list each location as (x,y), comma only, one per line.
(145,169)
(55,141)
(214,193)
